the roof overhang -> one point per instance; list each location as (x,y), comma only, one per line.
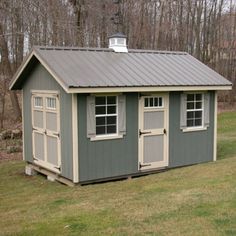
(148,89)
(25,63)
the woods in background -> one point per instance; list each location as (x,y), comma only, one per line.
(204,28)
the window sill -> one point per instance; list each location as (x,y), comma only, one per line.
(193,129)
(108,137)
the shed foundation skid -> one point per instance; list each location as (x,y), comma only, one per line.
(50,175)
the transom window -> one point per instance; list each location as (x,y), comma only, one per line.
(38,102)
(106,115)
(51,103)
(194,110)
(153,102)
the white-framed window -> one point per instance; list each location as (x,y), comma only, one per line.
(153,102)
(194,111)
(106,115)
(51,103)
(38,102)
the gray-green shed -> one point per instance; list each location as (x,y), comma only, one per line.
(95,114)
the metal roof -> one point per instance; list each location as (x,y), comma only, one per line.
(93,68)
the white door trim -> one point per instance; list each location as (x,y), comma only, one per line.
(165,108)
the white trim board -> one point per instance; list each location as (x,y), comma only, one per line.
(215,129)
(75,139)
(148,89)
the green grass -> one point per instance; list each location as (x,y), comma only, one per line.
(195,200)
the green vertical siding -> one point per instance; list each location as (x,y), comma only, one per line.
(40,79)
(108,158)
(189,147)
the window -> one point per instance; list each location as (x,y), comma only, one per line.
(153,102)
(194,110)
(38,102)
(51,103)
(120,41)
(106,115)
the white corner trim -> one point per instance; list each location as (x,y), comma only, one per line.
(193,129)
(106,137)
(215,129)
(75,139)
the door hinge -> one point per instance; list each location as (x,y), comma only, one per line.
(140,132)
(143,165)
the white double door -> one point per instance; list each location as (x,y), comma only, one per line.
(46,131)
(153,131)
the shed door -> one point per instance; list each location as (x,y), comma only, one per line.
(46,131)
(153,130)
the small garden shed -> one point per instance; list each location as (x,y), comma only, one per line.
(97,114)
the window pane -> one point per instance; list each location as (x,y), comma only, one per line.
(111,100)
(111,110)
(111,129)
(111,120)
(198,122)
(156,102)
(189,123)
(190,114)
(38,101)
(51,103)
(198,97)
(100,100)
(100,121)
(100,110)
(151,102)
(198,105)
(190,105)
(190,97)
(100,130)
(160,102)
(146,102)
(198,114)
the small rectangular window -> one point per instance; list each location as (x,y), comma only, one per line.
(153,102)
(51,103)
(194,110)
(106,115)
(38,102)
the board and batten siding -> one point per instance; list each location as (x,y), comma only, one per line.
(186,148)
(40,79)
(108,158)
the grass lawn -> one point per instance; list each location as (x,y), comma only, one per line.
(195,200)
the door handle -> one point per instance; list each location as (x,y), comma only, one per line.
(140,132)
(164,131)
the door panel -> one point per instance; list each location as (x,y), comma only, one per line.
(153,131)
(51,121)
(153,148)
(38,119)
(52,150)
(153,120)
(38,146)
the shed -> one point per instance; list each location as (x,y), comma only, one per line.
(95,114)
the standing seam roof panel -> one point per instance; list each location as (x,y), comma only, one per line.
(101,68)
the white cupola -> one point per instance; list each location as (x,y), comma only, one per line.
(118,42)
